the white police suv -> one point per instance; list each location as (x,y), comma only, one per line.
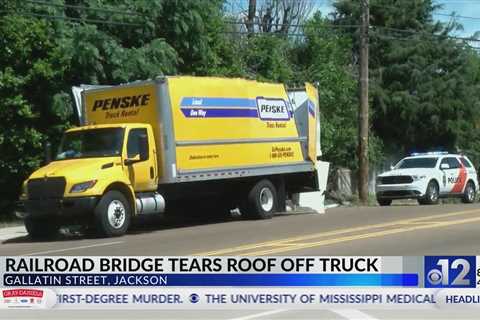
(428,177)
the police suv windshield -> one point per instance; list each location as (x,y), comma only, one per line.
(91,143)
(410,163)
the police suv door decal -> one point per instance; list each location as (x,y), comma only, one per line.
(460,180)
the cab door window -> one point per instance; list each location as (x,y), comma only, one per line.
(133,149)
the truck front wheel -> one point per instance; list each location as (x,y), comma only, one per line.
(41,228)
(112,214)
(261,202)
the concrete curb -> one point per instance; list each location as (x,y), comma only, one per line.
(12,232)
(333,205)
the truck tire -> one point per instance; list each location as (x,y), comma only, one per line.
(261,202)
(112,214)
(384,202)
(41,228)
(469,193)
(431,195)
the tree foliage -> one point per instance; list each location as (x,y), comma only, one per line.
(326,60)
(424,85)
(30,82)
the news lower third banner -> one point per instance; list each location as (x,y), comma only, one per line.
(240,282)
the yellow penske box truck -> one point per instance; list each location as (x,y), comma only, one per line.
(201,143)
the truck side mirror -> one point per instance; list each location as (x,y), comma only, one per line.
(47,149)
(143,147)
(444,166)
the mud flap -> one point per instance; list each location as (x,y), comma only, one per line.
(315,200)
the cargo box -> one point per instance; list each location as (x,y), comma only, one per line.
(215,128)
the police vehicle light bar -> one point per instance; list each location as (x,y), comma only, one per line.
(429,153)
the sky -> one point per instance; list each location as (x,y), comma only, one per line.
(468,12)
(466,8)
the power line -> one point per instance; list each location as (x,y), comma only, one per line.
(71,19)
(333,26)
(411,32)
(453,15)
(389,37)
(123,12)
(427,34)
(110,22)
(289,34)
(376,35)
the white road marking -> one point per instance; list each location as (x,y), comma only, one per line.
(74,248)
(261,314)
(352,314)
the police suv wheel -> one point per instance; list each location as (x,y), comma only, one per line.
(469,193)
(261,202)
(112,214)
(41,228)
(432,194)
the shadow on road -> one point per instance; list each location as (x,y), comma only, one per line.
(146,224)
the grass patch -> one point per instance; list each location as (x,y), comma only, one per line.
(371,201)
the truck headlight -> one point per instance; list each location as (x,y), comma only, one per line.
(418,178)
(82,186)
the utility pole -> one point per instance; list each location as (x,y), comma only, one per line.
(363,110)
(250,23)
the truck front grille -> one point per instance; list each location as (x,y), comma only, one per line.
(396,180)
(46,188)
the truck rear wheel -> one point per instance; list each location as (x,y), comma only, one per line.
(261,202)
(41,228)
(112,214)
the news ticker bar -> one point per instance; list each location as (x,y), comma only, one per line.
(195,298)
(428,271)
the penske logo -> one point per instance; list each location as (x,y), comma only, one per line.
(272,109)
(121,102)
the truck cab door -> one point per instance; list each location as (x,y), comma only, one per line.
(142,173)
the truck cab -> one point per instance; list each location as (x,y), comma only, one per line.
(98,169)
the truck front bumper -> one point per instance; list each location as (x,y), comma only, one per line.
(64,208)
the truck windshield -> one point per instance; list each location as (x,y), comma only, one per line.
(91,143)
(417,163)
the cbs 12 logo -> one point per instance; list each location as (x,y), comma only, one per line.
(450,272)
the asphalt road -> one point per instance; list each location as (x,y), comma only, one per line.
(396,230)
(451,229)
